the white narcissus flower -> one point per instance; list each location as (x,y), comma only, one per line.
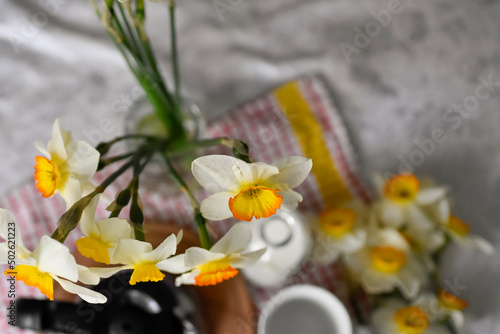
(102,236)
(340,230)
(145,261)
(247,190)
(403,199)
(67,167)
(459,232)
(220,263)
(50,261)
(386,262)
(443,305)
(396,317)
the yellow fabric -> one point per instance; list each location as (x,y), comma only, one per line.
(310,136)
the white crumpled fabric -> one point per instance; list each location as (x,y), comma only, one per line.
(396,90)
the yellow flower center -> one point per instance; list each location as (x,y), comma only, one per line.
(258,202)
(387,259)
(412,320)
(31,276)
(47,176)
(337,221)
(94,248)
(215,272)
(402,188)
(146,272)
(458,226)
(451,301)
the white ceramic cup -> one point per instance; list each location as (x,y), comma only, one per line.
(303,309)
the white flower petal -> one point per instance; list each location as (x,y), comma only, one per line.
(417,217)
(174,265)
(87,223)
(164,250)
(131,251)
(196,256)
(457,320)
(430,195)
(476,242)
(57,145)
(358,261)
(86,294)
(82,160)
(216,206)
(7,222)
(443,211)
(187,278)
(42,148)
(391,214)
(215,173)
(353,241)
(113,229)
(54,258)
(71,191)
(86,276)
(246,259)
(375,283)
(259,172)
(105,272)
(179,237)
(392,237)
(292,171)
(291,199)
(383,317)
(408,283)
(235,240)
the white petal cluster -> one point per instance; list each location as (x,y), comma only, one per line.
(49,261)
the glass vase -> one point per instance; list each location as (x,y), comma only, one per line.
(142,119)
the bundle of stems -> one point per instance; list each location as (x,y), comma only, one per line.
(124,22)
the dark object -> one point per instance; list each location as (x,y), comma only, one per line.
(141,308)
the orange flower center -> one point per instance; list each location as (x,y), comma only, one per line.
(46,176)
(387,259)
(458,226)
(31,276)
(402,188)
(337,221)
(258,202)
(412,320)
(215,272)
(451,301)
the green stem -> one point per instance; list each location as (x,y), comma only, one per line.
(131,36)
(148,76)
(202,230)
(115,213)
(108,161)
(175,59)
(200,220)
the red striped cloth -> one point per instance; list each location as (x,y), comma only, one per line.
(264,127)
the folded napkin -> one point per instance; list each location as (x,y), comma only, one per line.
(297,118)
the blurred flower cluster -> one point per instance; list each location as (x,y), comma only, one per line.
(391,248)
